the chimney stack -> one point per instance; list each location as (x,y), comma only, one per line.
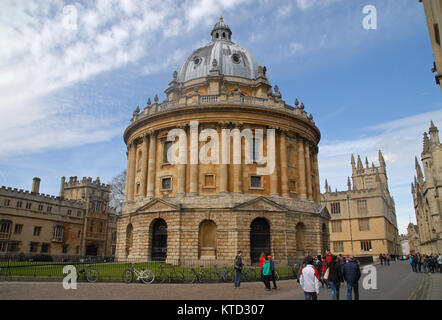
(36,185)
(63,181)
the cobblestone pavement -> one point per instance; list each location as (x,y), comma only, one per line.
(394,282)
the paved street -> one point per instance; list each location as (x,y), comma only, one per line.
(394,282)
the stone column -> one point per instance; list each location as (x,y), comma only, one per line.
(301,169)
(317,196)
(308,170)
(284,170)
(274,175)
(223,166)
(132,168)
(143,183)
(152,164)
(194,160)
(126,188)
(237,168)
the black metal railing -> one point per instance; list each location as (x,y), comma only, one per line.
(178,270)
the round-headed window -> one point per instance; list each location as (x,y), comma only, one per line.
(236,58)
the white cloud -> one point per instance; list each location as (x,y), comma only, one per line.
(306,4)
(51,46)
(399,140)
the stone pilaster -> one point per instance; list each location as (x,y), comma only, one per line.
(152,164)
(284,169)
(143,183)
(301,169)
(308,170)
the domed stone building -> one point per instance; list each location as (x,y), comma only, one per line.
(247,171)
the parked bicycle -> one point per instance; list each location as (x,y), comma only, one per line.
(222,275)
(197,275)
(145,275)
(90,274)
(249,274)
(169,275)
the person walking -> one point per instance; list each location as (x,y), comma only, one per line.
(317,263)
(352,274)
(419,261)
(267,273)
(238,269)
(381,259)
(387,260)
(427,264)
(439,262)
(414,262)
(273,270)
(309,280)
(335,277)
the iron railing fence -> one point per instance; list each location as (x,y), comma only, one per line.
(178,270)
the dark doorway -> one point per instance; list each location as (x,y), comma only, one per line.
(92,250)
(259,238)
(159,240)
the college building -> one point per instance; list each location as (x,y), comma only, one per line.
(426,190)
(78,222)
(363,218)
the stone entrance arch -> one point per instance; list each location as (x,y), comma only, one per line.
(207,240)
(159,240)
(92,249)
(259,238)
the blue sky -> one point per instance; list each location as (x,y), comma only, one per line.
(68,86)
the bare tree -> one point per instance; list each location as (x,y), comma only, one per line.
(117,186)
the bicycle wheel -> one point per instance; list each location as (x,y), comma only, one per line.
(128,276)
(147,276)
(192,276)
(92,275)
(176,276)
(203,276)
(228,276)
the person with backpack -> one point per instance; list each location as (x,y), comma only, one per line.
(238,269)
(267,273)
(309,280)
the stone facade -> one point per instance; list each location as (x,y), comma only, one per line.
(213,208)
(413,238)
(433,15)
(76,223)
(426,190)
(363,217)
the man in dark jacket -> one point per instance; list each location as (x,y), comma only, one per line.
(238,269)
(352,274)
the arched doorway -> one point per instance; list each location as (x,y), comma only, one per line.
(159,240)
(259,238)
(207,239)
(92,250)
(300,239)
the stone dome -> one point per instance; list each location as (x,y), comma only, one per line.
(231,59)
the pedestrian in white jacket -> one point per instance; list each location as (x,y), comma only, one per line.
(309,280)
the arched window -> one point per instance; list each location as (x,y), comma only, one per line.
(129,239)
(207,239)
(259,238)
(300,239)
(159,240)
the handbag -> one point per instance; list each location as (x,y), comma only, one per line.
(327,272)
